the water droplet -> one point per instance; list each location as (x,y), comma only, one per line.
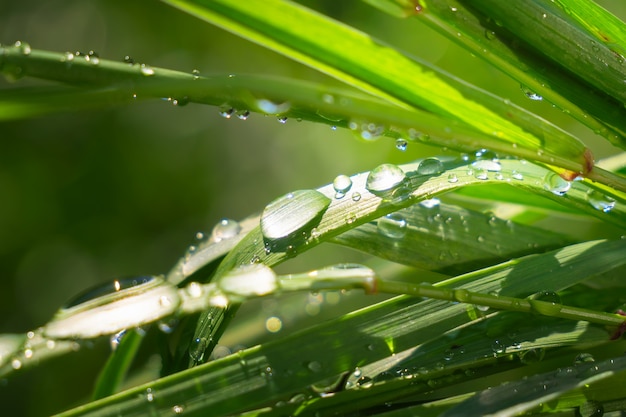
(591,408)
(600,201)
(248,281)
(292,213)
(531,356)
(146,70)
(116,339)
(23,47)
(282,119)
(194,290)
(149,395)
(430,166)
(366,130)
(108,288)
(269,107)
(129,60)
(356,196)
(401,144)
(226,111)
(314,366)
(67,57)
(555,184)
(178,409)
(242,114)
(392,225)
(430,203)
(384,178)
(481,174)
(452,178)
(197,348)
(225,229)
(530,93)
(341,184)
(584,358)
(92,57)
(195,73)
(486,160)
(365,382)
(490,34)
(517,176)
(497,347)
(350,218)
(267,372)
(357,372)
(16,364)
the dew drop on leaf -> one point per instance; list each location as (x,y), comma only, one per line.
(430,166)
(146,71)
(452,178)
(225,229)
(392,225)
(384,178)
(401,144)
(486,160)
(248,281)
(555,184)
(292,213)
(530,93)
(341,185)
(226,111)
(600,201)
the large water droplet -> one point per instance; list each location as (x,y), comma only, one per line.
(430,166)
(384,178)
(292,213)
(600,201)
(225,229)
(341,184)
(248,281)
(392,225)
(555,184)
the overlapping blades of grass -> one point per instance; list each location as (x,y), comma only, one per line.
(363,62)
(280,370)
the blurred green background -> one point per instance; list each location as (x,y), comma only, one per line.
(87,197)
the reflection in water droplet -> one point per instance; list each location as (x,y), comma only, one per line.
(600,201)
(341,184)
(92,57)
(292,213)
(365,382)
(401,144)
(555,184)
(430,166)
(385,177)
(197,348)
(225,229)
(497,347)
(530,93)
(129,60)
(392,225)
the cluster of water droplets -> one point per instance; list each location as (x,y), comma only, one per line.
(13,72)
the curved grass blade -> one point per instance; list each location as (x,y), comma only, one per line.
(114,371)
(279,370)
(447,238)
(479,34)
(359,60)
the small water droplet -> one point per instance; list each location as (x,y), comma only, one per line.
(108,288)
(314,366)
(292,213)
(194,290)
(430,166)
(591,408)
(23,47)
(357,372)
(242,114)
(167,326)
(486,160)
(584,358)
(129,60)
(481,174)
(401,144)
(384,178)
(555,184)
(93,58)
(392,225)
(366,130)
(178,409)
(67,57)
(356,196)
(146,71)
(430,203)
(195,73)
(530,93)
(16,364)
(341,184)
(116,339)
(452,178)
(226,111)
(490,34)
(225,229)
(149,395)
(600,201)
(517,176)
(497,347)
(350,218)
(282,119)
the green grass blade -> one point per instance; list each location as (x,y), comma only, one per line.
(359,60)
(278,370)
(114,371)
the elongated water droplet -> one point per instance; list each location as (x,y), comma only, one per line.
(600,201)
(292,213)
(530,93)
(430,166)
(225,229)
(555,184)
(249,281)
(392,225)
(384,178)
